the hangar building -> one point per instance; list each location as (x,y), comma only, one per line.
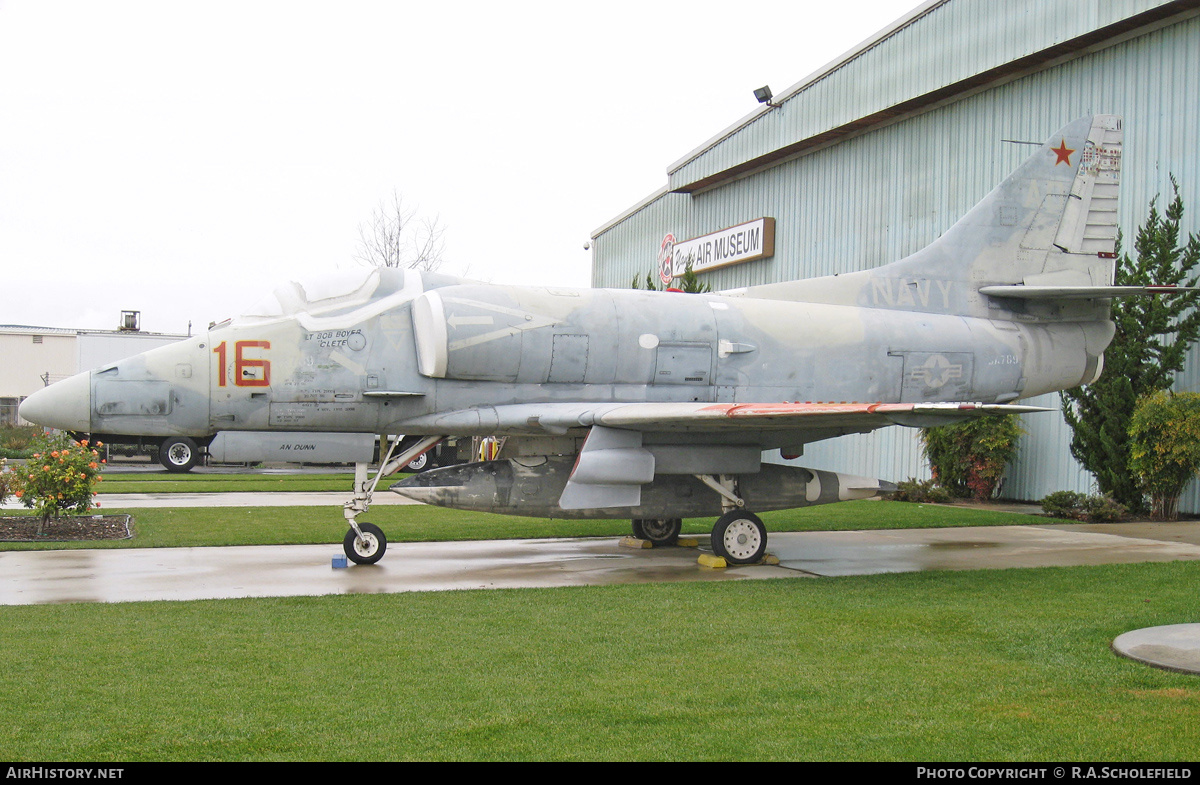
(876,154)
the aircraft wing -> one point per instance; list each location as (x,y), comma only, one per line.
(724,417)
(627,446)
(794,423)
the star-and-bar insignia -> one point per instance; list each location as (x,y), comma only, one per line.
(1063,153)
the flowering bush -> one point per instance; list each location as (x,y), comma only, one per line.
(968,458)
(6,481)
(61,476)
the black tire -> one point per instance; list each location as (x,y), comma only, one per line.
(367,550)
(739,538)
(178,454)
(660,531)
(419,464)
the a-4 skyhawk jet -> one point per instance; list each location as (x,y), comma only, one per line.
(653,406)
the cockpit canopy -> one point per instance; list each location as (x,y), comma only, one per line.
(342,298)
(325,294)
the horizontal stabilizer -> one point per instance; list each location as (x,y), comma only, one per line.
(1022,292)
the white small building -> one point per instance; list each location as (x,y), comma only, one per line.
(34,357)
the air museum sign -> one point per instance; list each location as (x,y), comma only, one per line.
(742,243)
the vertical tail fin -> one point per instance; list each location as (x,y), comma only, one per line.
(1052,222)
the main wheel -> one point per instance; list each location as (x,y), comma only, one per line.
(660,531)
(739,537)
(367,549)
(178,454)
(418,464)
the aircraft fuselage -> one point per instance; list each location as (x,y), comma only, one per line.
(466,347)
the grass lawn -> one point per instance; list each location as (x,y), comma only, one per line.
(999,665)
(200,526)
(956,666)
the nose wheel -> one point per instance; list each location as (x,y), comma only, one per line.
(365,546)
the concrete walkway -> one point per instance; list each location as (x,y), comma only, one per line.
(335,500)
(120,575)
(126,575)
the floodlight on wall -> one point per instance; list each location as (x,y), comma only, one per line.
(764,96)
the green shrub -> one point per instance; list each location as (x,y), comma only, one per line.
(1081,507)
(1164,453)
(1103,509)
(921,491)
(1064,504)
(17,441)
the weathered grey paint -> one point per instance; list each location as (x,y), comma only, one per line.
(610,397)
(863,200)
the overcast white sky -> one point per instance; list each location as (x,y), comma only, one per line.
(181,158)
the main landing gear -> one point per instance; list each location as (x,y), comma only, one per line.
(366,543)
(738,536)
(659,531)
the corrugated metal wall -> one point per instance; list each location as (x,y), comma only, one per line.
(879,196)
(945,43)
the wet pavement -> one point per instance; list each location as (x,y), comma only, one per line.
(35,577)
(120,501)
(123,575)
(147,574)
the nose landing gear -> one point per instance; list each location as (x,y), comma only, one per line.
(366,543)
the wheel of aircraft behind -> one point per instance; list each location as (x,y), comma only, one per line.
(178,454)
(367,549)
(418,464)
(739,537)
(660,531)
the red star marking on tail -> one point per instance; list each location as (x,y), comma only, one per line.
(1063,153)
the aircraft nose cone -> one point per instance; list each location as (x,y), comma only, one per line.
(65,405)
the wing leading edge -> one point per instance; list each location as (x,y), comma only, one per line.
(718,419)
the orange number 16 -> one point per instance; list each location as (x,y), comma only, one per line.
(242,375)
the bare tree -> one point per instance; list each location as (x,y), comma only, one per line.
(396,237)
